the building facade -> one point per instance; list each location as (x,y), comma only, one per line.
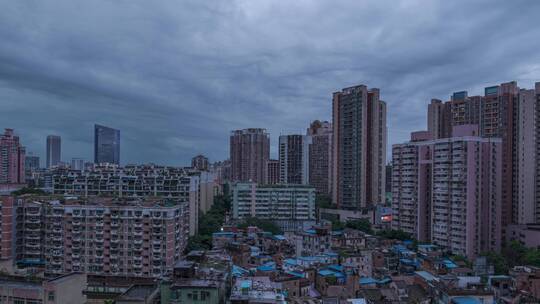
(359,145)
(135,237)
(320,156)
(289,206)
(7,228)
(12,157)
(183,184)
(272,172)
(77,164)
(106,145)
(200,162)
(448,191)
(54,150)
(249,155)
(504,111)
(294,159)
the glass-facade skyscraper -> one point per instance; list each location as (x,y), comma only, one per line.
(106,145)
(54,150)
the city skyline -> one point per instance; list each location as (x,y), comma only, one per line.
(183,89)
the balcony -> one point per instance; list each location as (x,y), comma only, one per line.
(56,262)
(115,224)
(137,242)
(32,221)
(99,224)
(32,237)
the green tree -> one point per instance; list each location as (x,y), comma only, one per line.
(394,235)
(362,224)
(265,225)
(498,261)
(27,190)
(210,222)
(324,201)
(337,225)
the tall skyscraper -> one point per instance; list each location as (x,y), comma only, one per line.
(448,191)
(54,150)
(359,145)
(106,145)
(200,162)
(12,155)
(320,156)
(294,159)
(249,155)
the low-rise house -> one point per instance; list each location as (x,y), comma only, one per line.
(260,290)
(140,294)
(102,288)
(204,277)
(63,289)
(527,281)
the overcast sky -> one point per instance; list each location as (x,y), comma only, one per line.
(176,76)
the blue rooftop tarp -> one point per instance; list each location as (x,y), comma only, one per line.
(326,272)
(238,271)
(270,266)
(245,284)
(449,264)
(292,262)
(368,281)
(295,273)
(465,300)
(336,267)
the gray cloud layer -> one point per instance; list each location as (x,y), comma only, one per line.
(177,76)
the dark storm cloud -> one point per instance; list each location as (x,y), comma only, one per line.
(177,76)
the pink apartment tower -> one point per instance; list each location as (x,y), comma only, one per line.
(448,191)
(11,159)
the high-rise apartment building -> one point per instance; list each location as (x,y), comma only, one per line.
(134,237)
(448,191)
(294,159)
(54,150)
(291,207)
(320,156)
(249,155)
(506,112)
(31,163)
(222,171)
(12,156)
(106,145)
(527,206)
(182,184)
(200,162)
(359,148)
(7,228)
(273,172)
(77,164)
